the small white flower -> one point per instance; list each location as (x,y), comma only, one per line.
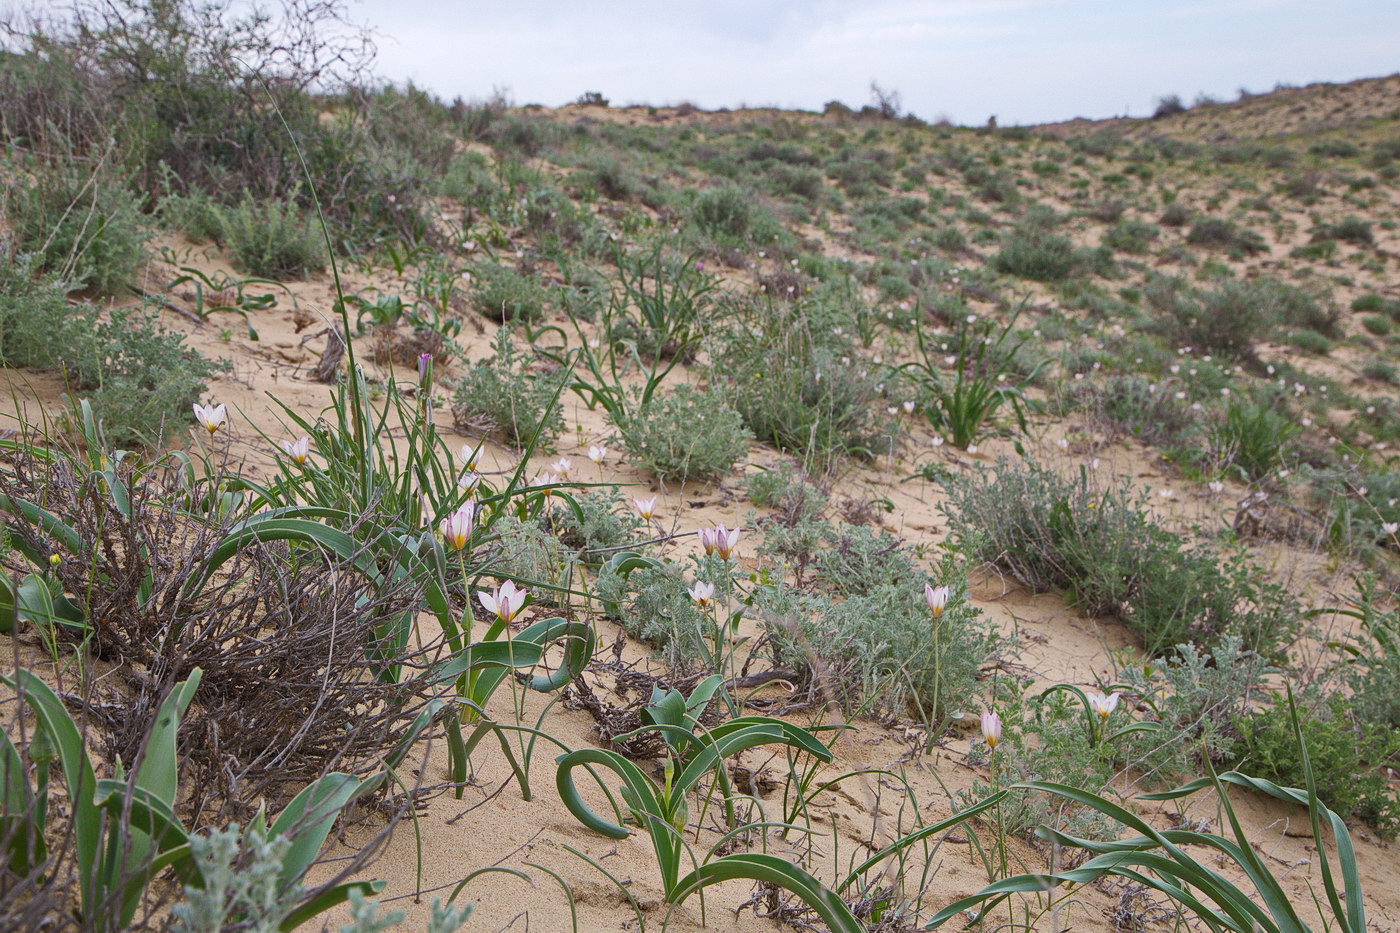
(457,527)
(505,601)
(1390,528)
(702,593)
(298,449)
(1216,486)
(470,456)
(597,454)
(1103,705)
(645,507)
(211,417)
(937,599)
(562,466)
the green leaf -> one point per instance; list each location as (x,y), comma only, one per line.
(308,819)
(760,867)
(326,900)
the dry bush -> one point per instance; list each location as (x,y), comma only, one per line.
(284,634)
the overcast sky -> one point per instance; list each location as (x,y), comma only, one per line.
(1027,61)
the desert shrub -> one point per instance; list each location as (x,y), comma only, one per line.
(142,379)
(556,220)
(787,490)
(502,395)
(1034,253)
(880,652)
(194,215)
(468,181)
(1310,341)
(1105,552)
(1346,755)
(1197,695)
(1251,438)
(1175,214)
(1228,319)
(1350,229)
(1297,307)
(655,607)
(87,228)
(528,550)
(1375,324)
(1131,236)
(725,214)
(1168,106)
(686,434)
(1382,371)
(949,239)
(607,175)
(504,295)
(803,400)
(38,328)
(797,180)
(272,239)
(1220,233)
(603,521)
(1130,404)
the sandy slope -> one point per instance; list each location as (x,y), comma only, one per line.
(494,826)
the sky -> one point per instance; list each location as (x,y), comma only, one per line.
(1025,61)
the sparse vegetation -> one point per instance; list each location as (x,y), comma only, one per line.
(330,609)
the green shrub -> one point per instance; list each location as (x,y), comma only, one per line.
(1368,302)
(1380,326)
(86,228)
(686,434)
(880,652)
(1351,229)
(143,380)
(1175,214)
(1197,695)
(504,295)
(1310,341)
(503,396)
(1131,405)
(655,607)
(526,550)
(1131,235)
(272,239)
(1033,253)
(603,522)
(1381,370)
(38,328)
(1219,233)
(726,214)
(1103,550)
(195,216)
(1228,319)
(1346,757)
(802,400)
